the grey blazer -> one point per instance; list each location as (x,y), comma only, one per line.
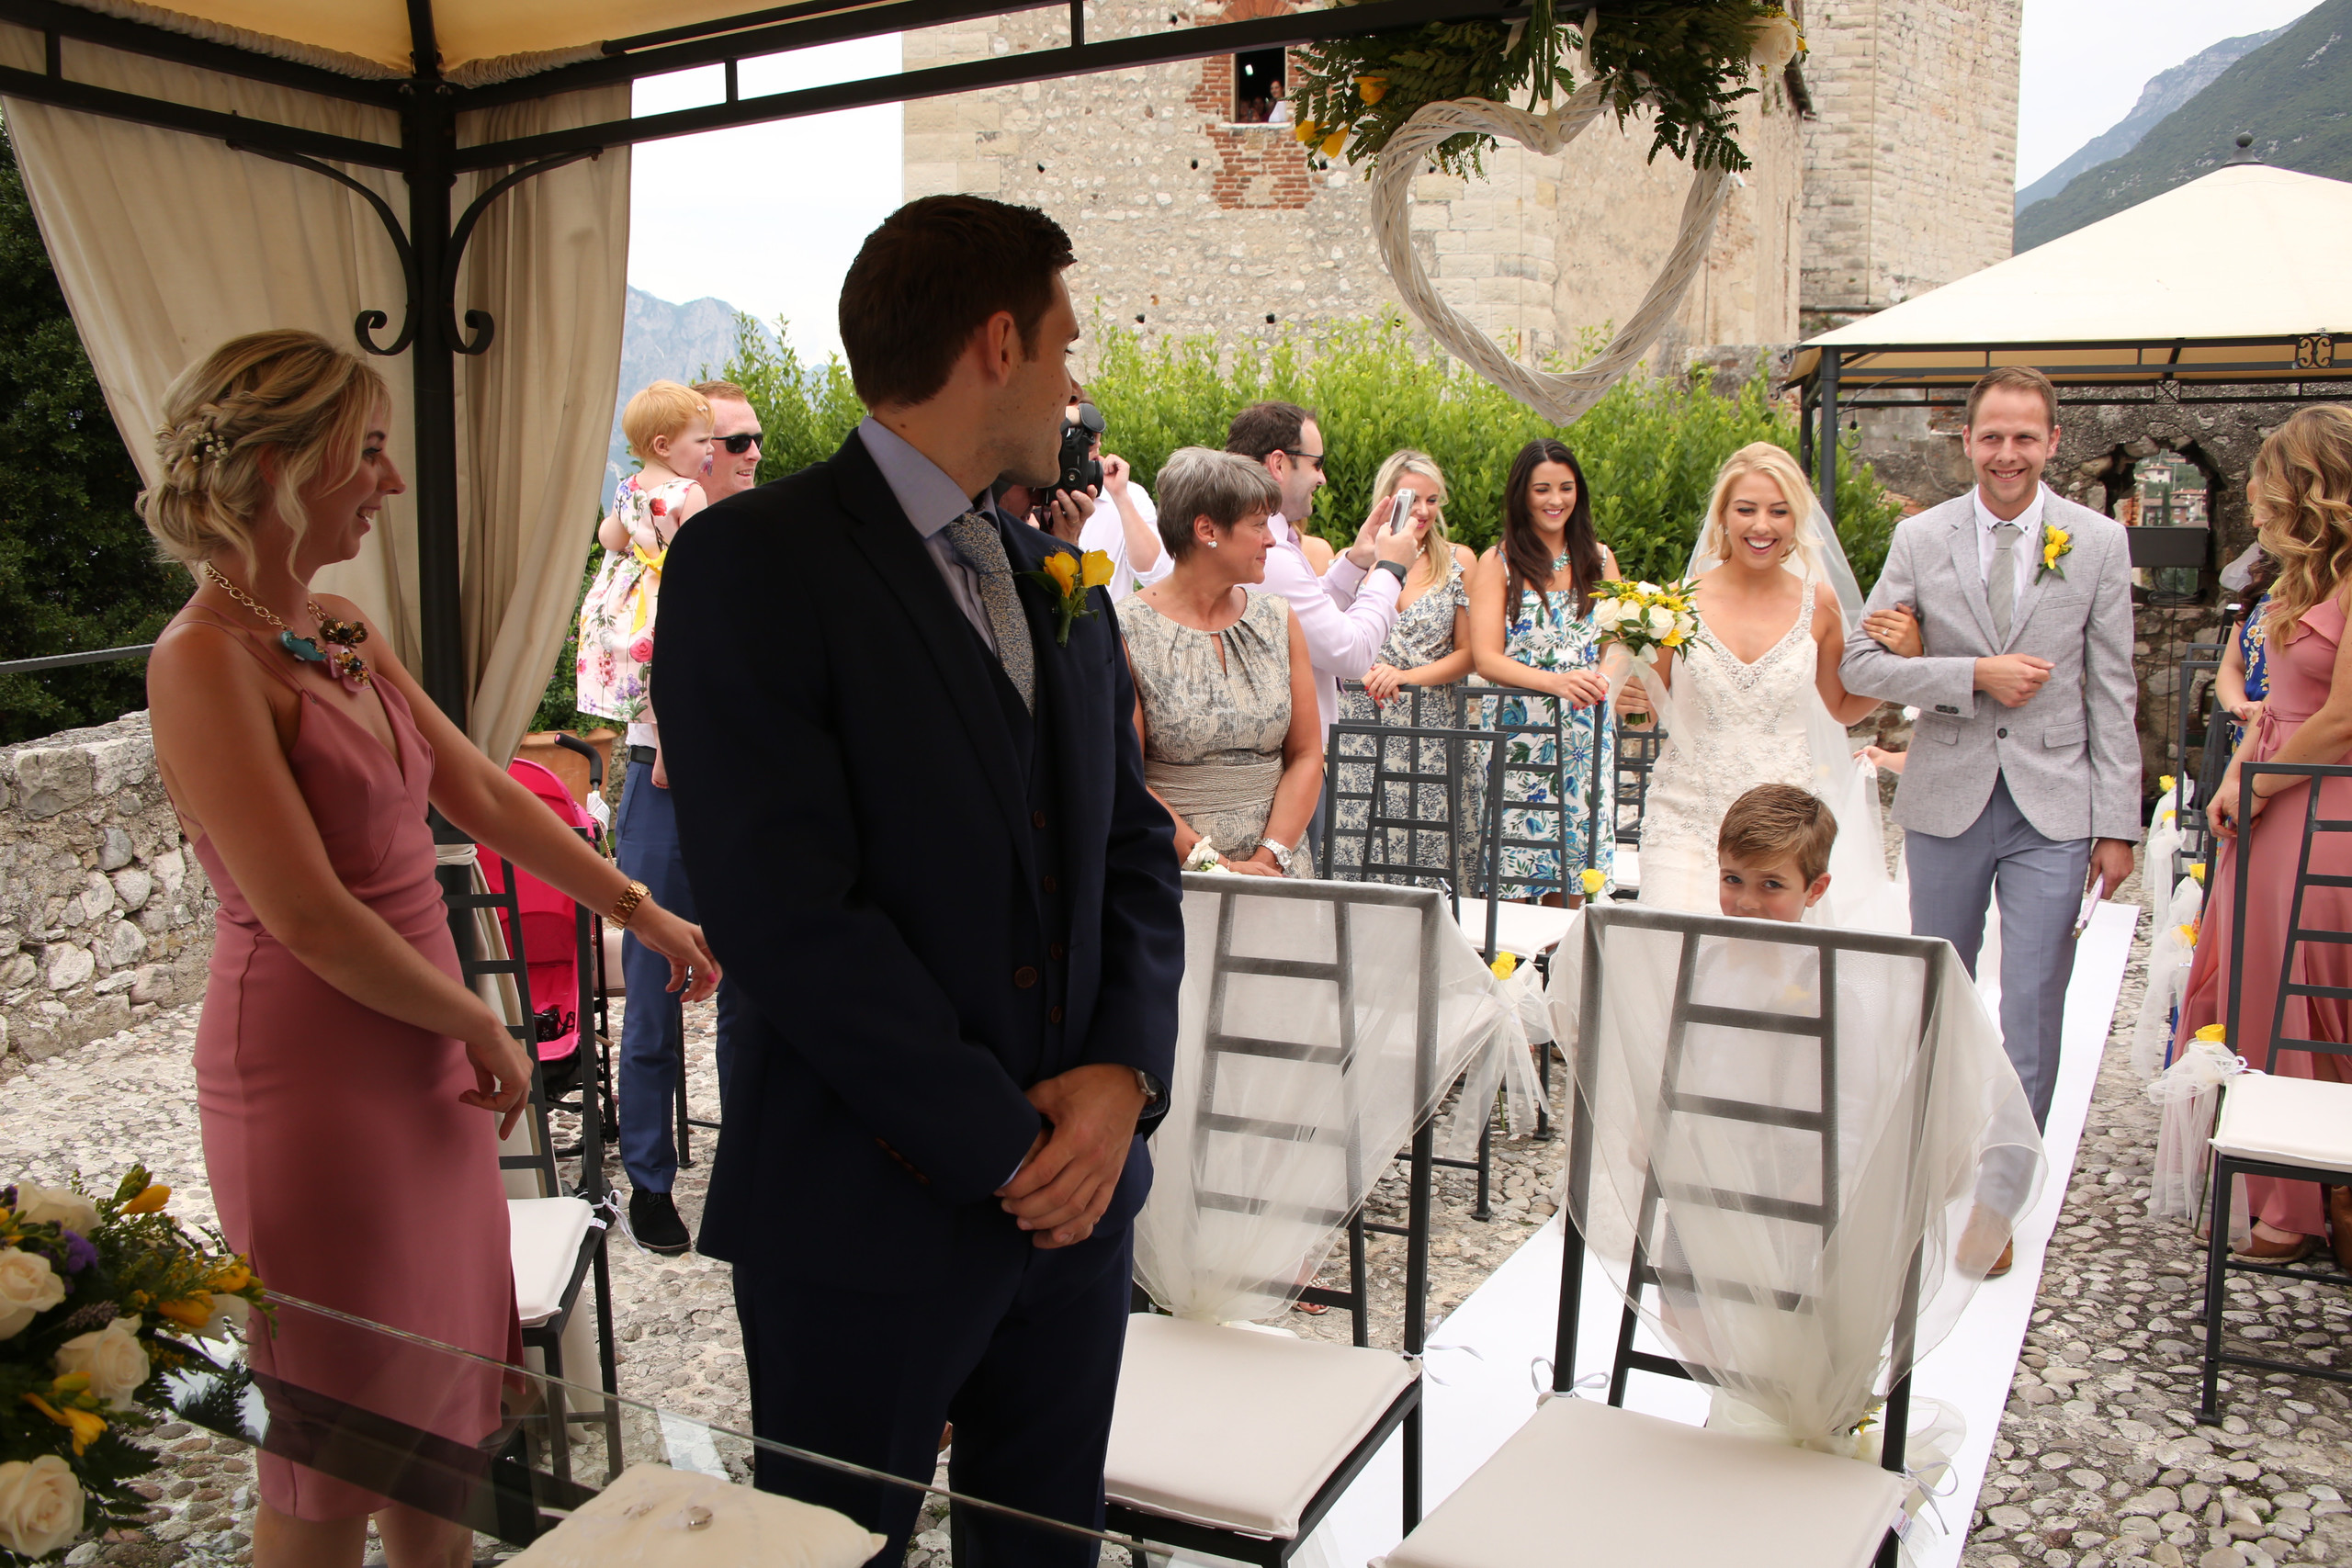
(2072,753)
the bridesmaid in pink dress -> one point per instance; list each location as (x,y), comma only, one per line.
(2301,493)
(352,1091)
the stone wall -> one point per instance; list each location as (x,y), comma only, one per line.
(1910,157)
(104,914)
(1187,223)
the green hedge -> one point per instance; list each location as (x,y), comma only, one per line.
(1649,449)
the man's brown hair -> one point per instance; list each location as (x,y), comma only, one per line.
(2016,378)
(1264,428)
(727,390)
(1775,822)
(930,277)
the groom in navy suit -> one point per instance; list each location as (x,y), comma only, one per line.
(914,819)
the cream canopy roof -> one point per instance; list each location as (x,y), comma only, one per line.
(478,40)
(2239,275)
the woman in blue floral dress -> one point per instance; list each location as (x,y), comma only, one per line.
(1531,626)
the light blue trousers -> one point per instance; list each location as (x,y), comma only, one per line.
(2041,886)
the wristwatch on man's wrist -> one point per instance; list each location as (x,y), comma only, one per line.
(1153,1090)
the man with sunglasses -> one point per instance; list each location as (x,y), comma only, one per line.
(735,440)
(1347,613)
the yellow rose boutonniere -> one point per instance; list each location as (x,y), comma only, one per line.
(1070,578)
(2056,545)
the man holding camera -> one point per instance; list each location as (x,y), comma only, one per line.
(1127,530)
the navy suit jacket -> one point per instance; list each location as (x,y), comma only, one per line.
(857,831)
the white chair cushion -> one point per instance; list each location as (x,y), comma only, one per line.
(1626,869)
(543,1236)
(653,1517)
(1238,1429)
(1584,1483)
(2306,1121)
(1523,928)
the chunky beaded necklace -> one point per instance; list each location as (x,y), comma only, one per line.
(336,646)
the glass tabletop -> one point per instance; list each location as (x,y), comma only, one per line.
(506,1451)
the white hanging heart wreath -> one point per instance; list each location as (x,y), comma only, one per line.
(1559,397)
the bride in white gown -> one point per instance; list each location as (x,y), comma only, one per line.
(1756,698)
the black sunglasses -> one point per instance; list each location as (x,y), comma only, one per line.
(738,445)
(1314,457)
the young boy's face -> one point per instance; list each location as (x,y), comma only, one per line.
(1767,890)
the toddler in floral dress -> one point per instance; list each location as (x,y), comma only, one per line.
(669,429)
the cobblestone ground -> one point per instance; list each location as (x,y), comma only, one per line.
(2097,1459)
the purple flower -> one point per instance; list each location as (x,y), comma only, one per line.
(79,1253)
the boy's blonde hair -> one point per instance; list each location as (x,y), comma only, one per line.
(291,394)
(1775,464)
(662,409)
(1775,822)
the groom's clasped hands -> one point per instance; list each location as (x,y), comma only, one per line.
(1072,1170)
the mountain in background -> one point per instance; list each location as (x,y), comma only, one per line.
(2293,95)
(689,343)
(2165,92)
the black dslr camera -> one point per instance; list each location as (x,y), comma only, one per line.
(1081,471)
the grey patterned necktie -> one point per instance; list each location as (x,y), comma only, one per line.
(2001,587)
(977,540)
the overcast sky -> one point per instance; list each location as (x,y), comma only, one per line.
(767,218)
(2085,60)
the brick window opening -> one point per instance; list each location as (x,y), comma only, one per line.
(1258,86)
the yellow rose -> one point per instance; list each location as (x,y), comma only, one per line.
(2219,1034)
(1372,89)
(1333,143)
(2187,932)
(1063,569)
(2164,781)
(1095,569)
(1504,965)
(2197,870)
(1594,879)
(1672,640)
(150,1200)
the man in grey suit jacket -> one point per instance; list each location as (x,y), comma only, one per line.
(2024,771)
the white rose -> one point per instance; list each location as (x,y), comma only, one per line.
(1774,41)
(28,1287)
(40,1506)
(113,1358)
(228,1313)
(1607,613)
(1661,619)
(56,1205)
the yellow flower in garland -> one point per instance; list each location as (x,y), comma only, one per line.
(2056,544)
(1372,89)
(87,1426)
(1334,142)
(150,1201)
(1307,133)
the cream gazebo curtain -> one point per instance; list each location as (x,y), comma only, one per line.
(168,243)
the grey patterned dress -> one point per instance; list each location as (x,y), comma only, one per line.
(1214,729)
(1423,634)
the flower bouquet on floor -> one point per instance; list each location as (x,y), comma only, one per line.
(99,1299)
(1641,622)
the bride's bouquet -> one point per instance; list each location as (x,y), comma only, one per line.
(1637,619)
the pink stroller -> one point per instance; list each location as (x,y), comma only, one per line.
(548,939)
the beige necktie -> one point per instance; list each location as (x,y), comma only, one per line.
(977,540)
(2001,587)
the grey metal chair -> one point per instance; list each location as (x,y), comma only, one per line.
(587,1259)
(2288,1128)
(1836,1505)
(1142,1505)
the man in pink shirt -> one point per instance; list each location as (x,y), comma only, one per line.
(1348,611)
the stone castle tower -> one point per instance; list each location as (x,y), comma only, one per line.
(1884,168)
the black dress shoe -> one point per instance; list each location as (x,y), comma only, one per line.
(653,1220)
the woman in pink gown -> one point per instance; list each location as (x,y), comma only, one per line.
(352,1091)
(2301,494)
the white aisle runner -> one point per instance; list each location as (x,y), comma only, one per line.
(1481,1390)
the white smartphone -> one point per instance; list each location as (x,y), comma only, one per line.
(1401,510)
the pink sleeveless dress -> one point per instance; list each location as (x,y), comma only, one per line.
(340,1159)
(2301,672)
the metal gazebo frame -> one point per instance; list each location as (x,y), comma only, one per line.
(431,244)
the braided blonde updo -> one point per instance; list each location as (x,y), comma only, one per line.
(290,394)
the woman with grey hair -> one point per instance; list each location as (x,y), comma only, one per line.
(1224,693)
